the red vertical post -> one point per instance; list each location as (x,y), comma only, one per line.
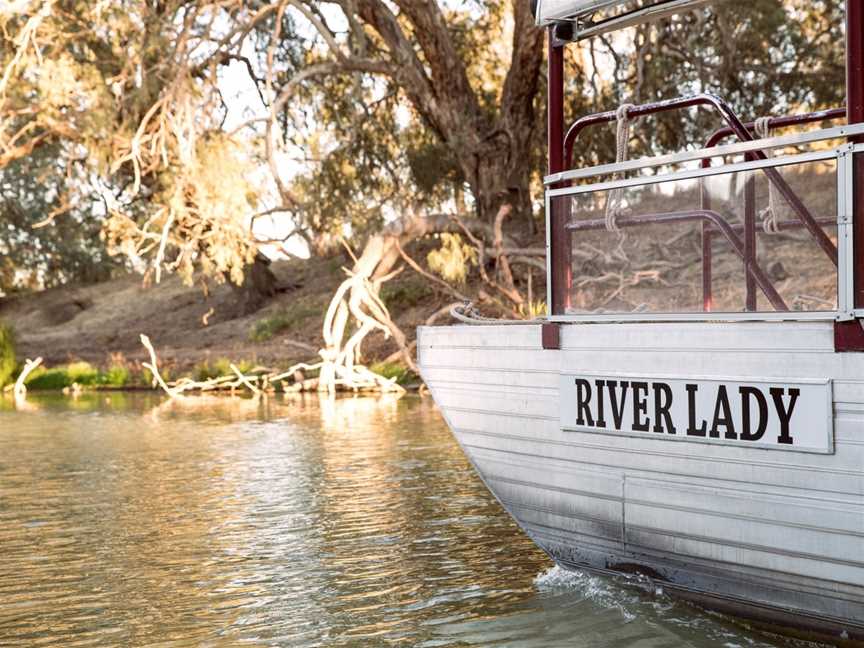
(849,336)
(559,237)
(555,103)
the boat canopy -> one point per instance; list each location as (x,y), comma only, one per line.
(549,11)
(616,14)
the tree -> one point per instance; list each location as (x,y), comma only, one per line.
(123,97)
(38,250)
(472,119)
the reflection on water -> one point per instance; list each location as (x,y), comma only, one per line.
(126,520)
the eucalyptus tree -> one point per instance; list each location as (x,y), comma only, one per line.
(411,115)
(123,97)
(44,241)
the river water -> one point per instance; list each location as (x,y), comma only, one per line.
(128,520)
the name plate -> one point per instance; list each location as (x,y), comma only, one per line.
(762,414)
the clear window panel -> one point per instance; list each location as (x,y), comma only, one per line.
(746,241)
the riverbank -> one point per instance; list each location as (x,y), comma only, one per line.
(90,335)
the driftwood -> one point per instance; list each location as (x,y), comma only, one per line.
(153,367)
(245,381)
(292,380)
(19,391)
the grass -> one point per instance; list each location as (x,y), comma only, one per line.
(8,360)
(533,310)
(82,373)
(390,370)
(268,327)
(118,374)
(221,367)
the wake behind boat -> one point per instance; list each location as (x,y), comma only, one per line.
(712,436)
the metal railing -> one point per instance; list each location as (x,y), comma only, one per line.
(749,226)
(713,223)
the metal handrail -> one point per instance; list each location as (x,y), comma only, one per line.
(736,127)
(754,150)
(780,141)
(678,103)
(774,176)
(783,121)
(750,225)
(709,215)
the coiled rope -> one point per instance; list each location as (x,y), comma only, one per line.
(622,141)
(468,314)
(770,216)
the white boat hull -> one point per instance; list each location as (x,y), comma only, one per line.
(773,534)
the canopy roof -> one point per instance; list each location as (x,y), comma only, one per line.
(549,11)
(616,14)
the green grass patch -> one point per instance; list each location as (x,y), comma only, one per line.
(390,370)
(265,329)
(82,373)
(8,359)
(118,376)
(48,379)
(221,367)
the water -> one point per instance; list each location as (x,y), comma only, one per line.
(126,520)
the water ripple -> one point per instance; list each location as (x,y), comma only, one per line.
(354,522)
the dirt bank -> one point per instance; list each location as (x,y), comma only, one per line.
(94,323)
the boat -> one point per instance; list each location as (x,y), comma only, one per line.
(708,438)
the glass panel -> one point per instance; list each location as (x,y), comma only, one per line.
(683,246)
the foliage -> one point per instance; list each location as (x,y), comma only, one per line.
(80,373)
(48,379)
(420,108)
(391,370)
(220,367)
(533,310)
(66,249)
(166,371)
(453,258)
(8,360)
(118,104)
(118,376)
(200,216)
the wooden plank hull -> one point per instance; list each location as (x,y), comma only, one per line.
(773,535)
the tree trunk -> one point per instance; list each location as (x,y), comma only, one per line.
(259,286)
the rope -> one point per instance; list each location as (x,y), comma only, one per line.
(468,314)
(771,214)
(622,140)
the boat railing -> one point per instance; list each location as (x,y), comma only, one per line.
(726,201)
(734,123)
(806,219)
(743,132)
